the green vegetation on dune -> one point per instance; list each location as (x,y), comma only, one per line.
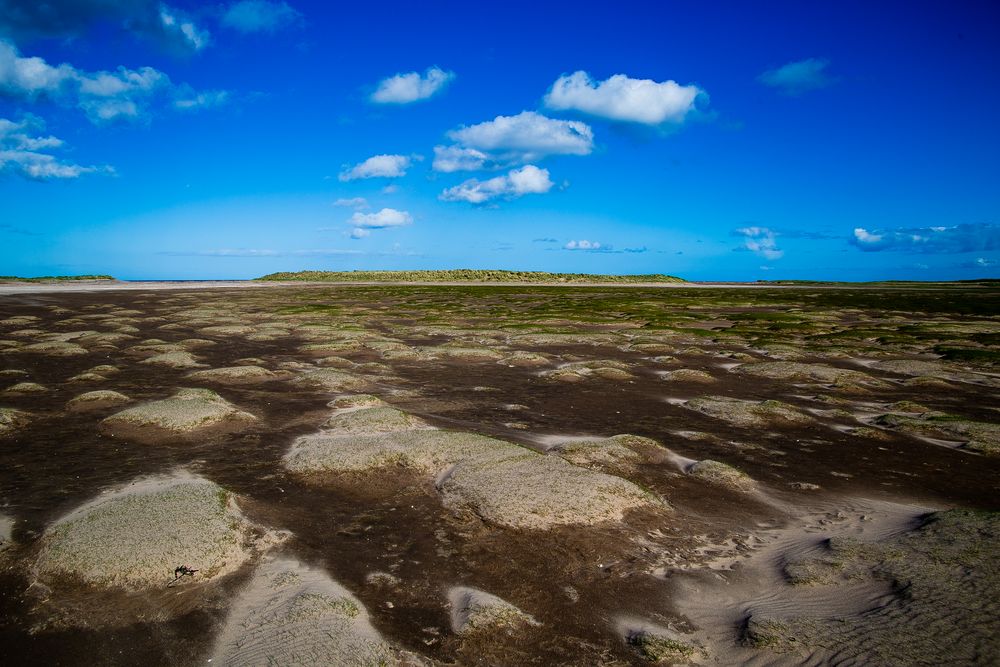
(46,279)
(467,275)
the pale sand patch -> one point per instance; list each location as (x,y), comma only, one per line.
(474,611)
(174,360)
(186,411)
(291,614)
(6,528)
(135,536)
(12,420)
(237,375)
(96,400)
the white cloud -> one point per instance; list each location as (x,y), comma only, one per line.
(526,137)
(967,237)
(353,202)
(582,244)
(390,189)
(411,87)
(455,158)
(181,29)
(387,217)
(20,153)
(360,233)
(526,180)
(378,166)
(622,98)
(760,240)
(248,16)
(103,96)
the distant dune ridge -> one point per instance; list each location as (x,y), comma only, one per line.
(467,275)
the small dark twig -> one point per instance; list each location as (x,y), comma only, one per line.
(183,571)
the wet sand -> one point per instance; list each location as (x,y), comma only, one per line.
(444,354)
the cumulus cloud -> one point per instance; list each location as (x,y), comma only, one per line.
(26,153)
(624,99)
(760,241)
(507,140)
(103,96)
(516,183)
(455,158)
(353,202)
(799,77)
(387,217)
(378,166)
(411,86)
(248,16)
(979,237)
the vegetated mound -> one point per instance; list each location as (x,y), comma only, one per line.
(502,483)
(467,275)
(976,436)
(187,411)
(236,375)
(474,611)
(945,578)
(292,614)
(52,279)
(748,414)
(618,449)
(722,474)
(801,372)
(136,536)
(12,420)
(96,400)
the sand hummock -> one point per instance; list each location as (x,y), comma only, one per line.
(329,379)
(12,420)
(135,536)
(188,411)
(176,359)
(373,420)
(236,375)
(748,413)
(722,474)
(96,400)
(623,448)
(475,611)
(292,614)
(55,349)
(25,389)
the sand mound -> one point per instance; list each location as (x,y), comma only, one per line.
(25,388)
(54,349)
(982,437)
(500,482)
(373,420)
(522,358)
(87,377)
(95,400)
(749,414)
(945,581)
(12,420)
(535,491)
(616,449)
(290,614)
(799,372)
(177,359)
(329,379)
(722,474)
(474,611)
(236,375)
(688,375)
(187,411)
(356,401)
(6,528)
(135,537)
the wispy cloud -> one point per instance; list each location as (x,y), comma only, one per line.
(508,140)
(760,241)
(979,237)
(378,166)
(624,99)
(353,202)
(516,183)
(26,153)
(250,16)
(411,86)
(799,77)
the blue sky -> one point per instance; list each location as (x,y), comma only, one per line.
(715,141)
